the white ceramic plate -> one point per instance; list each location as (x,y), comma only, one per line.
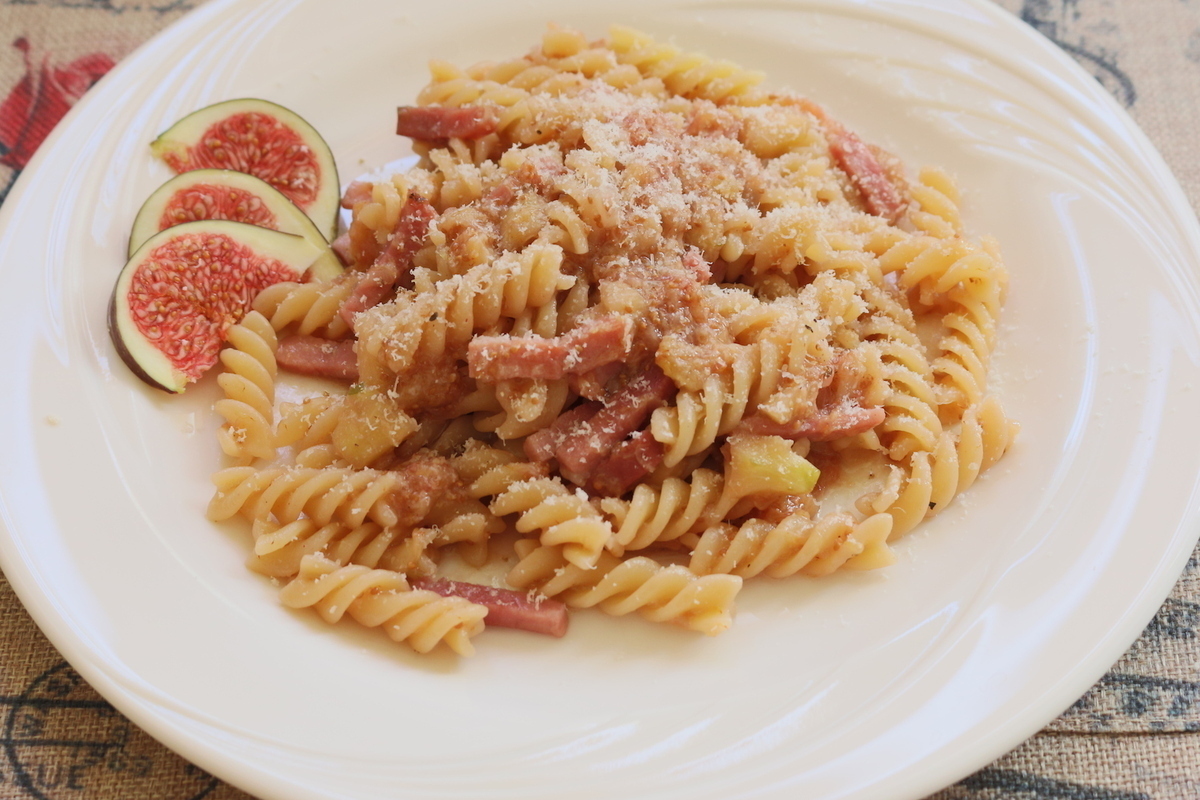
(1001,612)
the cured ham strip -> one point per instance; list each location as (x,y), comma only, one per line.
(375,286)
(431,123)
(839,408)
(343,249)
(593,384)
(321,358)
(595,343)
(506,608)
(357,193)
(858,161)
(393,266)
(537,174)
(412,228)
(632,460)
(845,419)
(501,358)
(833,422)
(540,445)
(583,448)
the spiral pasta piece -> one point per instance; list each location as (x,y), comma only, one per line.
(514,87)
(477,458)
(279,549)
(497,480)
(461,179)
(450,85)
(662,514)
(249,386)
(686,74)
(377,598)
(693,422)
(566,228)
(490,471)
(796,544)
(935,478)
(935,204)
(659,593)
(323,495)
(961,370)
(911,423)
(934,266)
(528,405)
(312,307)
(559,515)
(310,423)
(968,280)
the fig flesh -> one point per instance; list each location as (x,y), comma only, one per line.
(225,194)
(183,289)
(263,139)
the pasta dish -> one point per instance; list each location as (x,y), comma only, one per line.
(635,324)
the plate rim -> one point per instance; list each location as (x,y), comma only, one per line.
(156,719)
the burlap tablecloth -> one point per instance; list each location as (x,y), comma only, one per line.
(1134,736)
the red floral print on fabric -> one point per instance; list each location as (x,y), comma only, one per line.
(40,99)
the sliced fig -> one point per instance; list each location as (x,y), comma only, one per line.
(185,287)
(263,139)
(226,194)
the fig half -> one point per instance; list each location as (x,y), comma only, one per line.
(183,289)
(226,194)
(263,139)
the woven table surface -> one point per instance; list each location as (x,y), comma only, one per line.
(1133,736)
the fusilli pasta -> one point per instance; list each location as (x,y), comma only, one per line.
(648,325)
(377,598)
(249,385)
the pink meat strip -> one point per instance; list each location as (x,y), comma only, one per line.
(540,445)
(844,419)
(341,248)
(858,161)
(506,608)
(501,358)
(431,123)
(847,418)
(597,342)
(375,286)
(322,358)
(394,265)
(594,343)
(839,410)
(536,174)
(583,448)
(632,460)
(593,384)
(356,193)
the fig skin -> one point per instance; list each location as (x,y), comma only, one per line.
(288,216)
(130,360)
(175,147)
(293,254)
